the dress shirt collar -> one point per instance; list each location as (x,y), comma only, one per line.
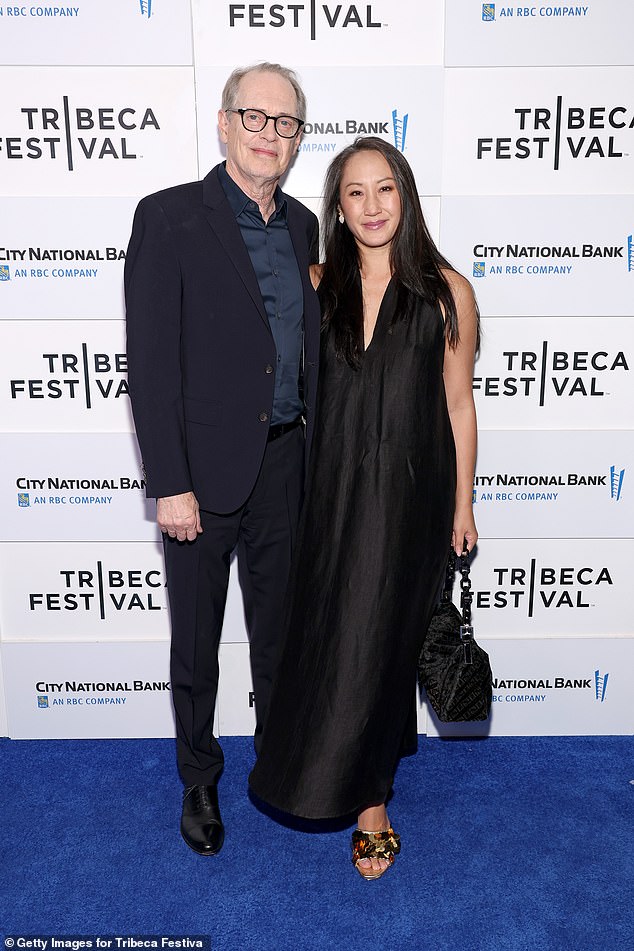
(239,201)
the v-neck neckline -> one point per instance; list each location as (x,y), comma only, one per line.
(378,317)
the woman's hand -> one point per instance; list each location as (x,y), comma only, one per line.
(464,528)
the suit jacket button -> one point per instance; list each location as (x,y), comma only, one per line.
(263,417)
(268,368)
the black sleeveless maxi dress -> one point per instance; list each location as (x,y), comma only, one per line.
(371,553)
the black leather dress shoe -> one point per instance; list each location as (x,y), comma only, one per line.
(201,825)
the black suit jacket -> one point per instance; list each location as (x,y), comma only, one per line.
(200,349)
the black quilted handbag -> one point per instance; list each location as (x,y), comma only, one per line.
(452,668)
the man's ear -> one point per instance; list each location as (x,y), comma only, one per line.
(223,125)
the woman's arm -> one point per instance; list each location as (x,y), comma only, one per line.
(458,378)
(315,271)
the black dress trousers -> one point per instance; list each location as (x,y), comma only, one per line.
(264,531)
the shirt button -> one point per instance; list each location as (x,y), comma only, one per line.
(268,368)
(263,417)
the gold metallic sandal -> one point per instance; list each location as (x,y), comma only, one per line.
(374,845)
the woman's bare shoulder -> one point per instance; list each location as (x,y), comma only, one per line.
(458,285)
(316,272)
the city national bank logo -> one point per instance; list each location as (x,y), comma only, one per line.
(146,8)
(39,11)
(394,128)
(600,685)
(86,693)
(102,590)
(399,127)
(616,482)
(552,132)
(67,491)
(514,260)
(56,263)
(80,375)
(311,16)
(548,373)
(543,487)
(533,588)
(550,11)
(72,134)
(531,688)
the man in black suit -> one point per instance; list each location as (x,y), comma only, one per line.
(223,344)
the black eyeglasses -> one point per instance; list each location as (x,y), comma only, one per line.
(254,120)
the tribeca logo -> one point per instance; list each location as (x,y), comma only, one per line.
(279,15)
(82,375)
(399,127)
(75,133)
(146,8)
(561,131)
(488,12)
(616,482)
(549,372)
(600,685)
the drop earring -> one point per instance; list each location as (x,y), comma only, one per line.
(341,218)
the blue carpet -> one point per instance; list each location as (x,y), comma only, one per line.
(508,843)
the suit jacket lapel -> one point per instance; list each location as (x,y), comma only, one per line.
(223,223)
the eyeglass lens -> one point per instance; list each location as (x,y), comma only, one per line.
(254,120)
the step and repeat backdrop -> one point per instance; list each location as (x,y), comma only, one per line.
(518,121)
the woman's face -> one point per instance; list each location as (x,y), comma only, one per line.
(369,200)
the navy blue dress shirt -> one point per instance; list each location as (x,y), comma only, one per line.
(273,257)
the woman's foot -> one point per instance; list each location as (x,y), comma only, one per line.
(374,843)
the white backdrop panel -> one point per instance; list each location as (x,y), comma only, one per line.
(314,33)
(236,712)
(234,628)
(68,691)
(595,33)
(391,106)
(119,32)
(555,687)
(552,586)
(565,256)
(100,131)
(63,375)
(63,257)
(4,729)
(83,591)
(554,373)
(75,487)
(539,131)
(554,484)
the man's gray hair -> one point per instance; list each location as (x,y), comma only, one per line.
(230,92)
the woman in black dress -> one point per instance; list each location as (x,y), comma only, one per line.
(390,487)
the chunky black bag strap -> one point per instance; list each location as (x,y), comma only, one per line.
(466,597)
(447,591)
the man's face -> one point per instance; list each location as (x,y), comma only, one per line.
(254,158)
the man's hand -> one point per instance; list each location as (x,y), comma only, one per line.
(179,516)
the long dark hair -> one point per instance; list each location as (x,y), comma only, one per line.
(414,258)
